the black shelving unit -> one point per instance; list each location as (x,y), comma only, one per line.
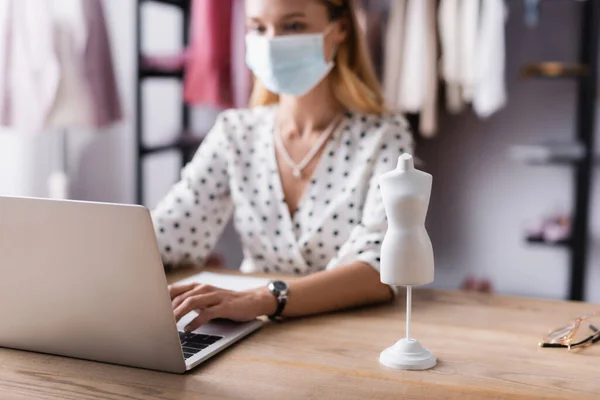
(186,142)
(585,128)
(585,73)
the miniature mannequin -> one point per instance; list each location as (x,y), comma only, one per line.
(406,252)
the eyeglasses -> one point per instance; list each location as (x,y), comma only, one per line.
(574,335)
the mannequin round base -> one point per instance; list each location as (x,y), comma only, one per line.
(407,355)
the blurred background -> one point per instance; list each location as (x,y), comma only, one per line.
(516,201)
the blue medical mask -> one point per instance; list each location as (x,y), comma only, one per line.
(291,64)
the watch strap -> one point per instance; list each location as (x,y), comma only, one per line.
(281,303)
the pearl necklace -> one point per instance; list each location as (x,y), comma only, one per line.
(297,168)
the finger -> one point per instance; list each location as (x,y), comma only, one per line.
(200,289)
(176,290)
(205,316)
(199,302)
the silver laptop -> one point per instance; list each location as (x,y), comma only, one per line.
(86,280)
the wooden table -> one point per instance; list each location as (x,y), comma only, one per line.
(486,346)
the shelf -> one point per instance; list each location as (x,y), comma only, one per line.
(554,70)
(185,142)
(559,153)
(176,3)
(147,72)
(542,242)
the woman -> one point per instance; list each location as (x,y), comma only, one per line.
(297,170)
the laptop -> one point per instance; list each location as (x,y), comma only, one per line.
(86,280)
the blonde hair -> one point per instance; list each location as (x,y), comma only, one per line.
(355,84)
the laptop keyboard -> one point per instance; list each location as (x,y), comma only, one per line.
(193,344)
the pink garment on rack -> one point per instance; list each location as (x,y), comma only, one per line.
(208,75)
(242,77)
(98,67)
(56,68)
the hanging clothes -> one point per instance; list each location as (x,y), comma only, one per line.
(71,105)
(473,54)
(490,90)
(393,52)
(98,67)
(55,66)
(412,84)
(450,62)
(428,122)
(30,70)
(208,77)
(241,75)
(223,59)
(412,77)
(469,30)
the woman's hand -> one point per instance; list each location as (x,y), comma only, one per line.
(211,303)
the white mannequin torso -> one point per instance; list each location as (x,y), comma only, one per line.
(406,252)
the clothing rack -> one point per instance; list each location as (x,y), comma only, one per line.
(579,154)
(186,143)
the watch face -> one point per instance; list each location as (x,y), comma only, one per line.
(280,286)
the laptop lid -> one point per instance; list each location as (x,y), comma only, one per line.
(85,280)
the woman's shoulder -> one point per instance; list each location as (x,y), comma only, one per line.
(244,125)
(385,127)
(245,117)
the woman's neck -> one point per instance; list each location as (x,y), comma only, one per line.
(311,112)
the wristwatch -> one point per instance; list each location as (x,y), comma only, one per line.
(280,290)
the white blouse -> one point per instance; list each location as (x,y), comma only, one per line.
(340,218)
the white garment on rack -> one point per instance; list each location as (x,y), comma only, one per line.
(418,74)
(240,73)
(70,13)
(394,40)
(449,30)
(30,68)
(55,65)
(72,106)
(469,30)
(490,91)
(428,121)
(412,73)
